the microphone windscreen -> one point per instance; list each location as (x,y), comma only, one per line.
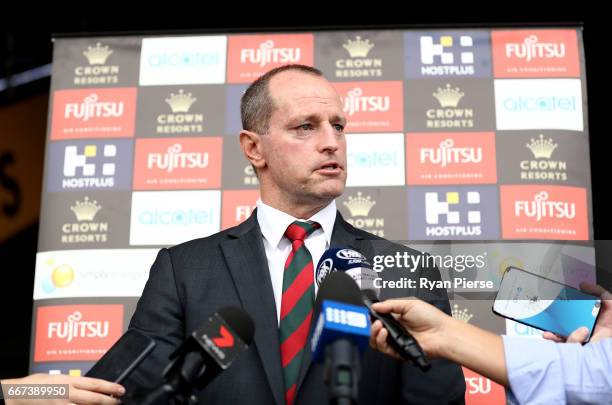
(340,287)
(239,321)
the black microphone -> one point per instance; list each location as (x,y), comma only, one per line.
(359,269)
(209,350)
(340,335)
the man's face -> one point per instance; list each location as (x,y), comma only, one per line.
(305,147)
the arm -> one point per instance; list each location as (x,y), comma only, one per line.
(441,336)
(536,371)
(557,373)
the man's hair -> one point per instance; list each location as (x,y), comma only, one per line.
(257,106)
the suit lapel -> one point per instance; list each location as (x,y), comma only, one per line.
(246,260)
(342,236)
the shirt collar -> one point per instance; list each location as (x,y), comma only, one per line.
(273,223)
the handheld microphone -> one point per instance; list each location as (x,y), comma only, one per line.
(360,270)
(208,351)
(340,336)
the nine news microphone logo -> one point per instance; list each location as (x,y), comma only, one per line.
(220,341)
(338,320)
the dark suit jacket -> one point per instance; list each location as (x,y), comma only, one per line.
(189,282)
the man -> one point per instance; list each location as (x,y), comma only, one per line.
(534,371)
(294,137)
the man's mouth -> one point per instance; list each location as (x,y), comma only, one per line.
(331,168)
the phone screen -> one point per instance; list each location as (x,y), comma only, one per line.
(545,304)
(122,357)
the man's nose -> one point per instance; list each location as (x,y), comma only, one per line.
(329,138)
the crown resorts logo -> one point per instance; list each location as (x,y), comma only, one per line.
(542,167)
(439,58)
(462,315)
(97,71)
(85,230)
(359,207)
(85,210)
(180,121)
(97,55)
(358,64)
(358,48)
(449,116)
(542,148)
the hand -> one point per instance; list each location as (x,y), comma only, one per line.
(81,390)
(603,327)
(424,321)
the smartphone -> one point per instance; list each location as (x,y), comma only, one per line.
(123,357)
(545,304)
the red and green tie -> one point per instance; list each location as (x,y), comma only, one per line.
(296,305)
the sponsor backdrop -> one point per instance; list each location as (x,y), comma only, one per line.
(475,136)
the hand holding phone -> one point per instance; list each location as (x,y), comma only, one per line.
(545,304)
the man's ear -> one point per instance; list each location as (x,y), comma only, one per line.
(251,145)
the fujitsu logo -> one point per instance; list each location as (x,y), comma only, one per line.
(532,49)
(354,102)
(446,154)
(540,208)
(478,385)
(266,53)
(174,159)
(74,328)
(91,108)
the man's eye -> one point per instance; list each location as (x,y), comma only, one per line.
(339,128)
(306,126)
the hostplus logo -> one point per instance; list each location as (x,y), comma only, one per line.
(444,217)
(447,56)
(89,167)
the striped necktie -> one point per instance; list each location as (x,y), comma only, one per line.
(296,305)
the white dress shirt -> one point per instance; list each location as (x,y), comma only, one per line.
(273,224)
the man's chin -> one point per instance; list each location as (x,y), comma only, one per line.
(330,193)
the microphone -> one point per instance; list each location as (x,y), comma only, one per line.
(208,351)
(341,334)
(360,270)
